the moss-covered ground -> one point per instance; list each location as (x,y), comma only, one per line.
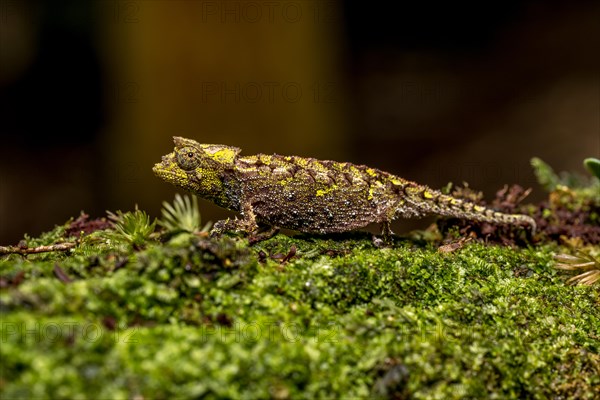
(293,317)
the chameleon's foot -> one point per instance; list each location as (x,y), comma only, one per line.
(260,236)
(233,225)
(386,239)
(381,242)
(377,241)
(245,227)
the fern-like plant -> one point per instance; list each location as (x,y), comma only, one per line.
(135,226)
(584,263)
(182,216)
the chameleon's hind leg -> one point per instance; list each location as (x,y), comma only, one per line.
(385,239)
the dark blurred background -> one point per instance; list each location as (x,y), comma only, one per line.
(92,91)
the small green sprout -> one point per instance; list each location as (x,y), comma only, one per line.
(134,226)
(593,165)
(545,174)
(585,263)
(182,216)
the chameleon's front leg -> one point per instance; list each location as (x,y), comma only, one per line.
(264,235)
(247,225)
(231,225)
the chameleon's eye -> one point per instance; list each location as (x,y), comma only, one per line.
(187,158)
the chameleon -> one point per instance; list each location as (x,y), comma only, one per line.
(306,194)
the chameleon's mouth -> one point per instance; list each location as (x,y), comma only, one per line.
(168,170)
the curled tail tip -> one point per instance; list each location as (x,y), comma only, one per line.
(529,221)
(533,226)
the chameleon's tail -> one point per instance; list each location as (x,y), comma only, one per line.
(433,201)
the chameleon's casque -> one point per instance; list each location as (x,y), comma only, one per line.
(305,194)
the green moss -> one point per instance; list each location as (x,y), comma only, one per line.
(196,317)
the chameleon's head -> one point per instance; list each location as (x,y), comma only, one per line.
(198,168)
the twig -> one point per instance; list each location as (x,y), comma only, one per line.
(40,249)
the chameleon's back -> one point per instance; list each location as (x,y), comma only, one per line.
(315,196)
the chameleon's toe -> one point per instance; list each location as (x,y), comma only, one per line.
(260,236)
(381,241)
(219,228)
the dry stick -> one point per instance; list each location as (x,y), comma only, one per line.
(40,249)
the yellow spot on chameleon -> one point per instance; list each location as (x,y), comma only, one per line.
(303,162)
(320,168)
(284,182)
(327,190)
(413,190)
(354,171)
(220,153)
(371,172)
(224,155)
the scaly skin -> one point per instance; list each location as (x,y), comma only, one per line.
(305,194)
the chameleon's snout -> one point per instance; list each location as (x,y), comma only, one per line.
(165,164)
(158,169)
(169,170)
